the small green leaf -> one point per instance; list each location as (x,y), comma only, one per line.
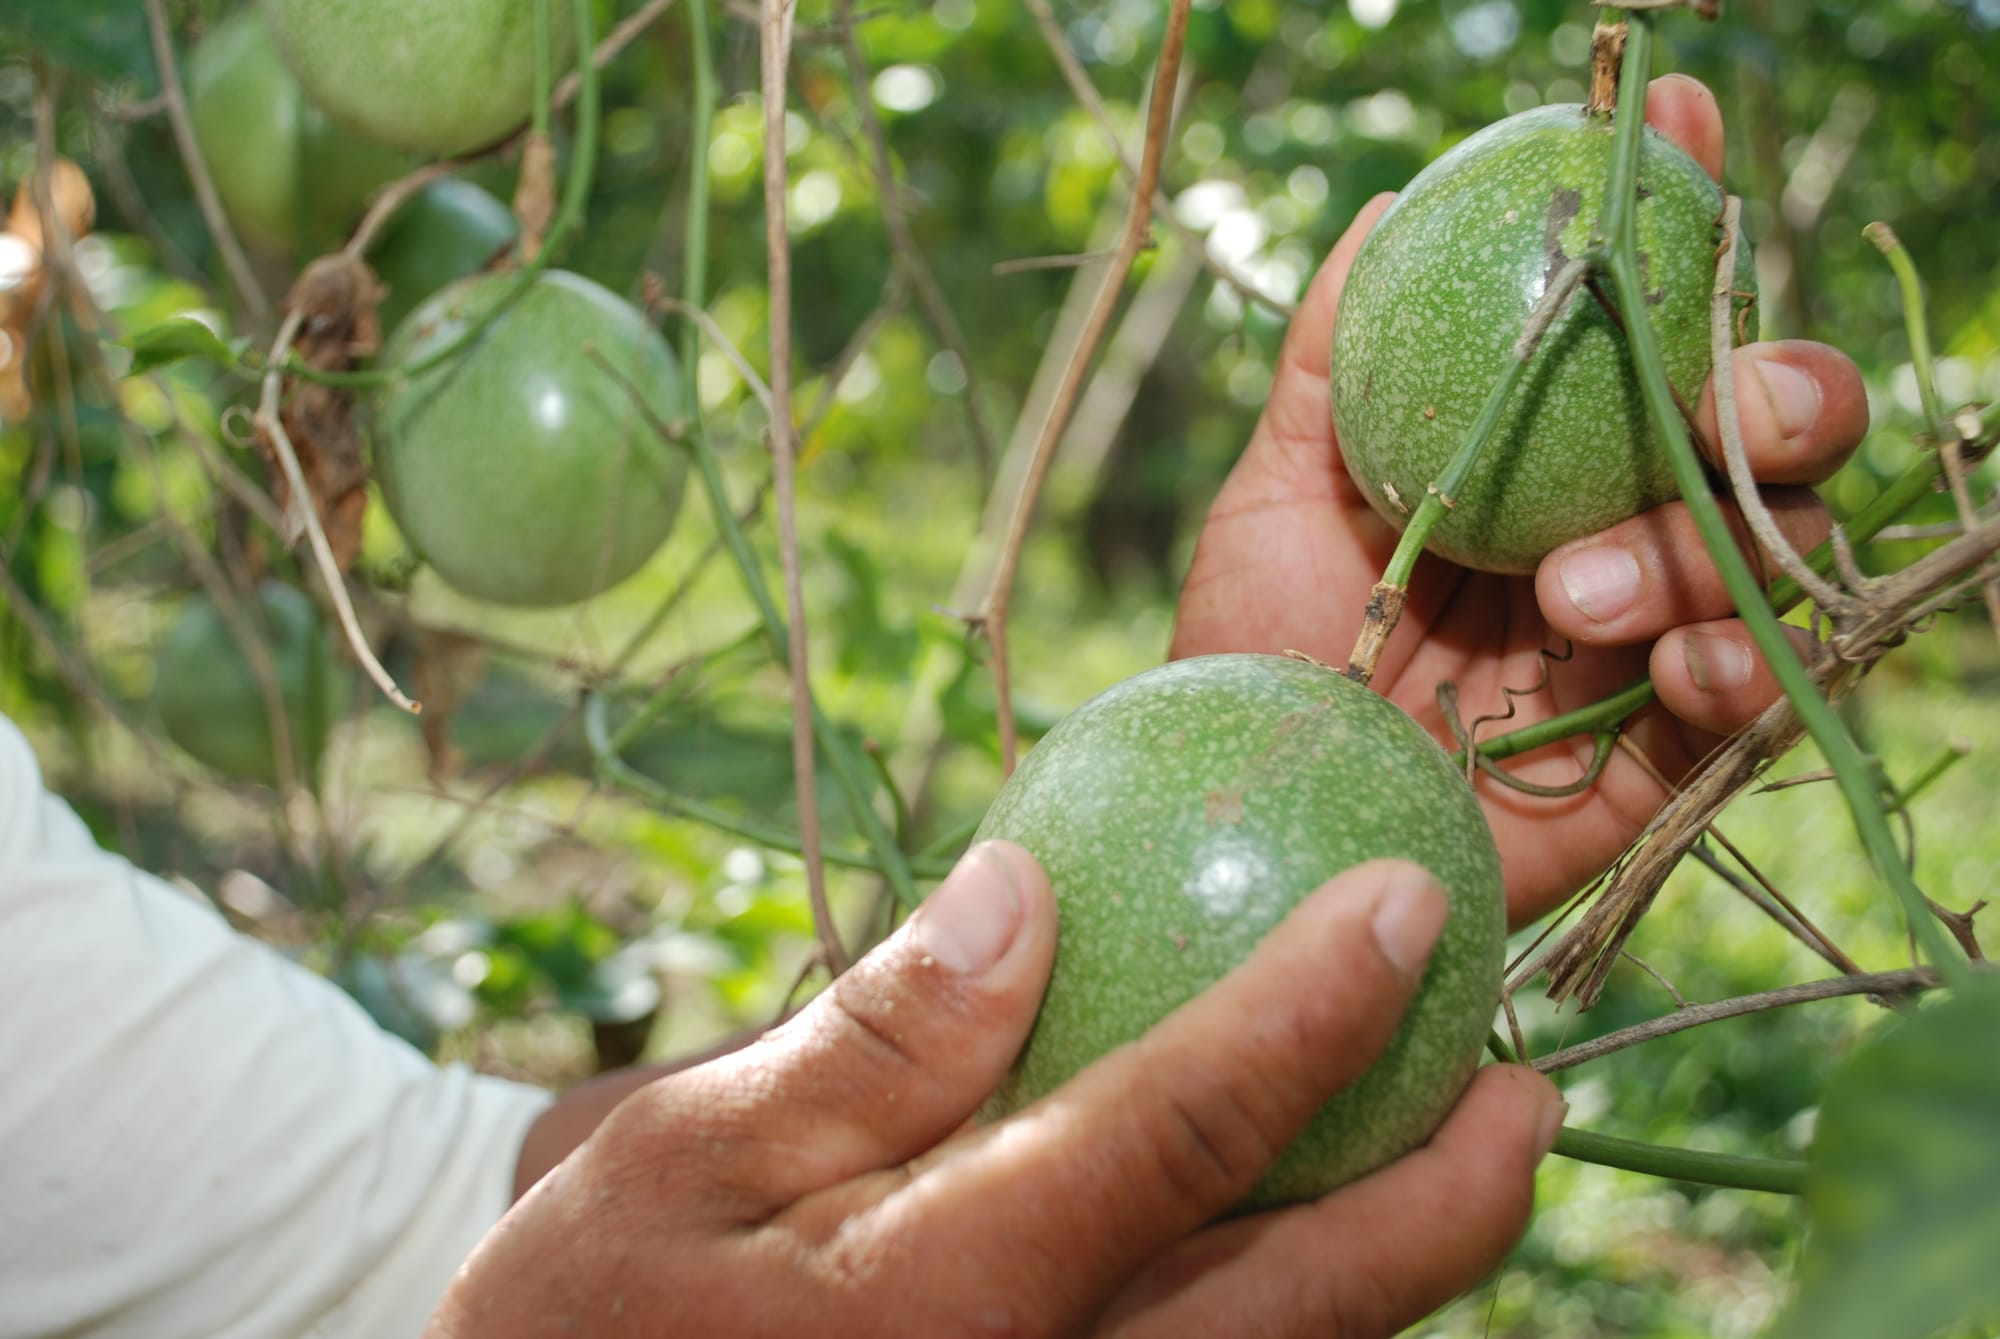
(1903,1200)
(174,339)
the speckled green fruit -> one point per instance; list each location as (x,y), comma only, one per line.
(1181,814)
(210,701)
(287,176)
(432,76)
(1442,289)
(450,229)
(520,468)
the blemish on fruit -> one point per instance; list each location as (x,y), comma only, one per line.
(1223,806)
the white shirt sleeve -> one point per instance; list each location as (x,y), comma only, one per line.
(200,1138)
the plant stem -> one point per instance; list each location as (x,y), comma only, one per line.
(616,770)
(1385,602)
(1779,1176)
(1854,775)
(1885,239)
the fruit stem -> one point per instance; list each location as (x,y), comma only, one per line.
(1915,482)
(1779,1176)
(1857,780)
(1385,602)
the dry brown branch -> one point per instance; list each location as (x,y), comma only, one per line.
(1892,987)
(1085,92)
(238,265)
(1761,893)
(1835,602)
(910,260)
(1952,455)
(993,611)
(302,512)
(776,35)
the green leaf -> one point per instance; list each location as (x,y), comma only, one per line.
(174,339)
(1904,1196)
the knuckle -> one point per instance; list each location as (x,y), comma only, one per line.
(865,1013)
(1208,1142)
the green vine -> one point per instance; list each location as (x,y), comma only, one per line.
(1856,778)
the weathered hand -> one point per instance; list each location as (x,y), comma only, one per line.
(1291,549)
(822,1182)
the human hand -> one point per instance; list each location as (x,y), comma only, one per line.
(1291,549)
(822,1181)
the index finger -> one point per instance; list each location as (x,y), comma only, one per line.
(1157,1138)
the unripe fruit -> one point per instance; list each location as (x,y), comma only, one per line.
(1444,286)
(1182,813)
(287,176)
(211,702)
(437,77)
(450,229)
(522,468)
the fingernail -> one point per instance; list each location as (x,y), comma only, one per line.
(1409,912)
(1794,396)
(970,920)
(1553,1116)
(1601,582)
(1716,664)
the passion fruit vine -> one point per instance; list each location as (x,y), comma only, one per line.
(1444,286)
(1181,814)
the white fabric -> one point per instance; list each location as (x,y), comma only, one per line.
(200,1138)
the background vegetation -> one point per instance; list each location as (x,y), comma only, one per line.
(472,883)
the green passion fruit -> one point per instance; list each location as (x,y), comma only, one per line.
(437,77)
(287,176)
(522,468)
(1181,814)
(211,702)
(1443,287)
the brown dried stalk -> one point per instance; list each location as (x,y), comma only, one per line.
(993,611)
(776,30)
(1894,987)
(209,202)
(1085,92)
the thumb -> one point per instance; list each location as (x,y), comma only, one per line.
(902,1049)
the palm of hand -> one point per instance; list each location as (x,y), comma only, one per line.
(1291,549)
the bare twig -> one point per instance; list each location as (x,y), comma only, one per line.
(1951,454)
(993,612)
(776,34)
(269,421)
(1758,893)
(728,347)
(210,203)
(1680,1001)
(1085,92)
(909,257)
(1749,501)
(1892,986)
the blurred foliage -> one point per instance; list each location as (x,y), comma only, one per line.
(478,892)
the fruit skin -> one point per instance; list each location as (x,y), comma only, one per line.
(1443,287)
(1182,813)
(209,699)
(448,230)
(521,469)
(439,77)
(286,175)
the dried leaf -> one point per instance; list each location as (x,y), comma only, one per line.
(337,295)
